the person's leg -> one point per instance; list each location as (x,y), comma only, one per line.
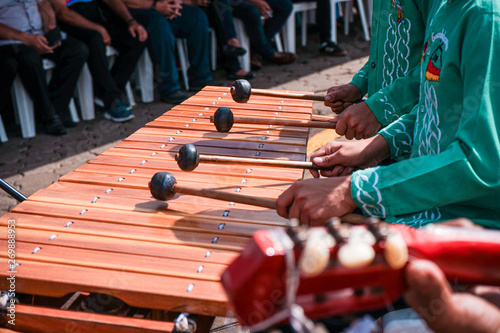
(33,77)
(8,68)
(163,40)
(104,84)
(69,59)
(281,11)
(323,20)
(193,25)
(130,50)
(250,16)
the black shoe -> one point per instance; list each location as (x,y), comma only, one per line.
(233,51)
(332,48)
(174,97)
(248,76)
(54,126)
(196,86)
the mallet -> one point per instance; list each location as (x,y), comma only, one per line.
(241,91)
(163,186)
(224,119)
(188,159)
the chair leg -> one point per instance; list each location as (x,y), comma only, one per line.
(23,106)
(73,112)
(289,34)
(183,60)
(361,8)
(130,94)
(145,77)
(3,135)
(303,35)
(333,18)
(245,43)
(213,49)
(347,16)
(85,94)
(277,39)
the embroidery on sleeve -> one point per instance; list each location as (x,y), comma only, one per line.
(370,200)
(401,139)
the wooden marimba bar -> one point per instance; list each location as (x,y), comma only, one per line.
(99,230)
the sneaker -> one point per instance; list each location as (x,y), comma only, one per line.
(332,48)
(174,97)
(118,112)
(54,126)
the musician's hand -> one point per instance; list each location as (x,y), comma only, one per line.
(340,97)
(344,156)
(357,121)
(430,295)
(314,201)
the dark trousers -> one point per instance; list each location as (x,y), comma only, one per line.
(53,98)
(8,68)
(260,34)
(130,50)
(192,25)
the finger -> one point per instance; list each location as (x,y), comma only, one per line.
(294,211)
(359,135)
(347,171)
(132,32)
(341,126)
(314,173)
(305,218)
(43,40)
(337,170)
(350,133)
(283,201)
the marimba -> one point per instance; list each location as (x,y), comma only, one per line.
(99,230)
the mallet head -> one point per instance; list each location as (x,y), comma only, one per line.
(188,157)
(162,186)
(223,119)
(241,91)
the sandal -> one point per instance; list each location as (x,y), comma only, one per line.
(332,48)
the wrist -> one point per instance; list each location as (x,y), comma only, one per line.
(356,92)
(131,21)
(381,148)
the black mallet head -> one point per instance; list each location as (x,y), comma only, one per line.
(223,119)
(241,91)
(188,157)
(162,186)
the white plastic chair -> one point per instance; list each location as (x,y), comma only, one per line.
(289,28)
(347,18)
(23,105)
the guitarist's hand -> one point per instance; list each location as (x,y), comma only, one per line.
(430,295)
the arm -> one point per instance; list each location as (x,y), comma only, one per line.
(135,29)
(397,99)
(468,167)
(168,8)
(38,42)
(70,17)
(47,14)
(360,79)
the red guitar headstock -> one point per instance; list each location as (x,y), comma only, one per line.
(343,269)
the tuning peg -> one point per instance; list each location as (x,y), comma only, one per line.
(356,255)
(395,251)
(316,253)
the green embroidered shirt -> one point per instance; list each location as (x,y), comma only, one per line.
(452,136)
(390,77)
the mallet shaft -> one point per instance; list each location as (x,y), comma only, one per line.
(217,194)
(250,200)
(264,92)
(281,122)
(254,161)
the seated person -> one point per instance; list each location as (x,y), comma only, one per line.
(23,45)
(169,20)
(220,16)
(390,77)
(114,26)
(448,146)
(275,14)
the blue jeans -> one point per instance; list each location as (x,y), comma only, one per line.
(192,25)
(258,33)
